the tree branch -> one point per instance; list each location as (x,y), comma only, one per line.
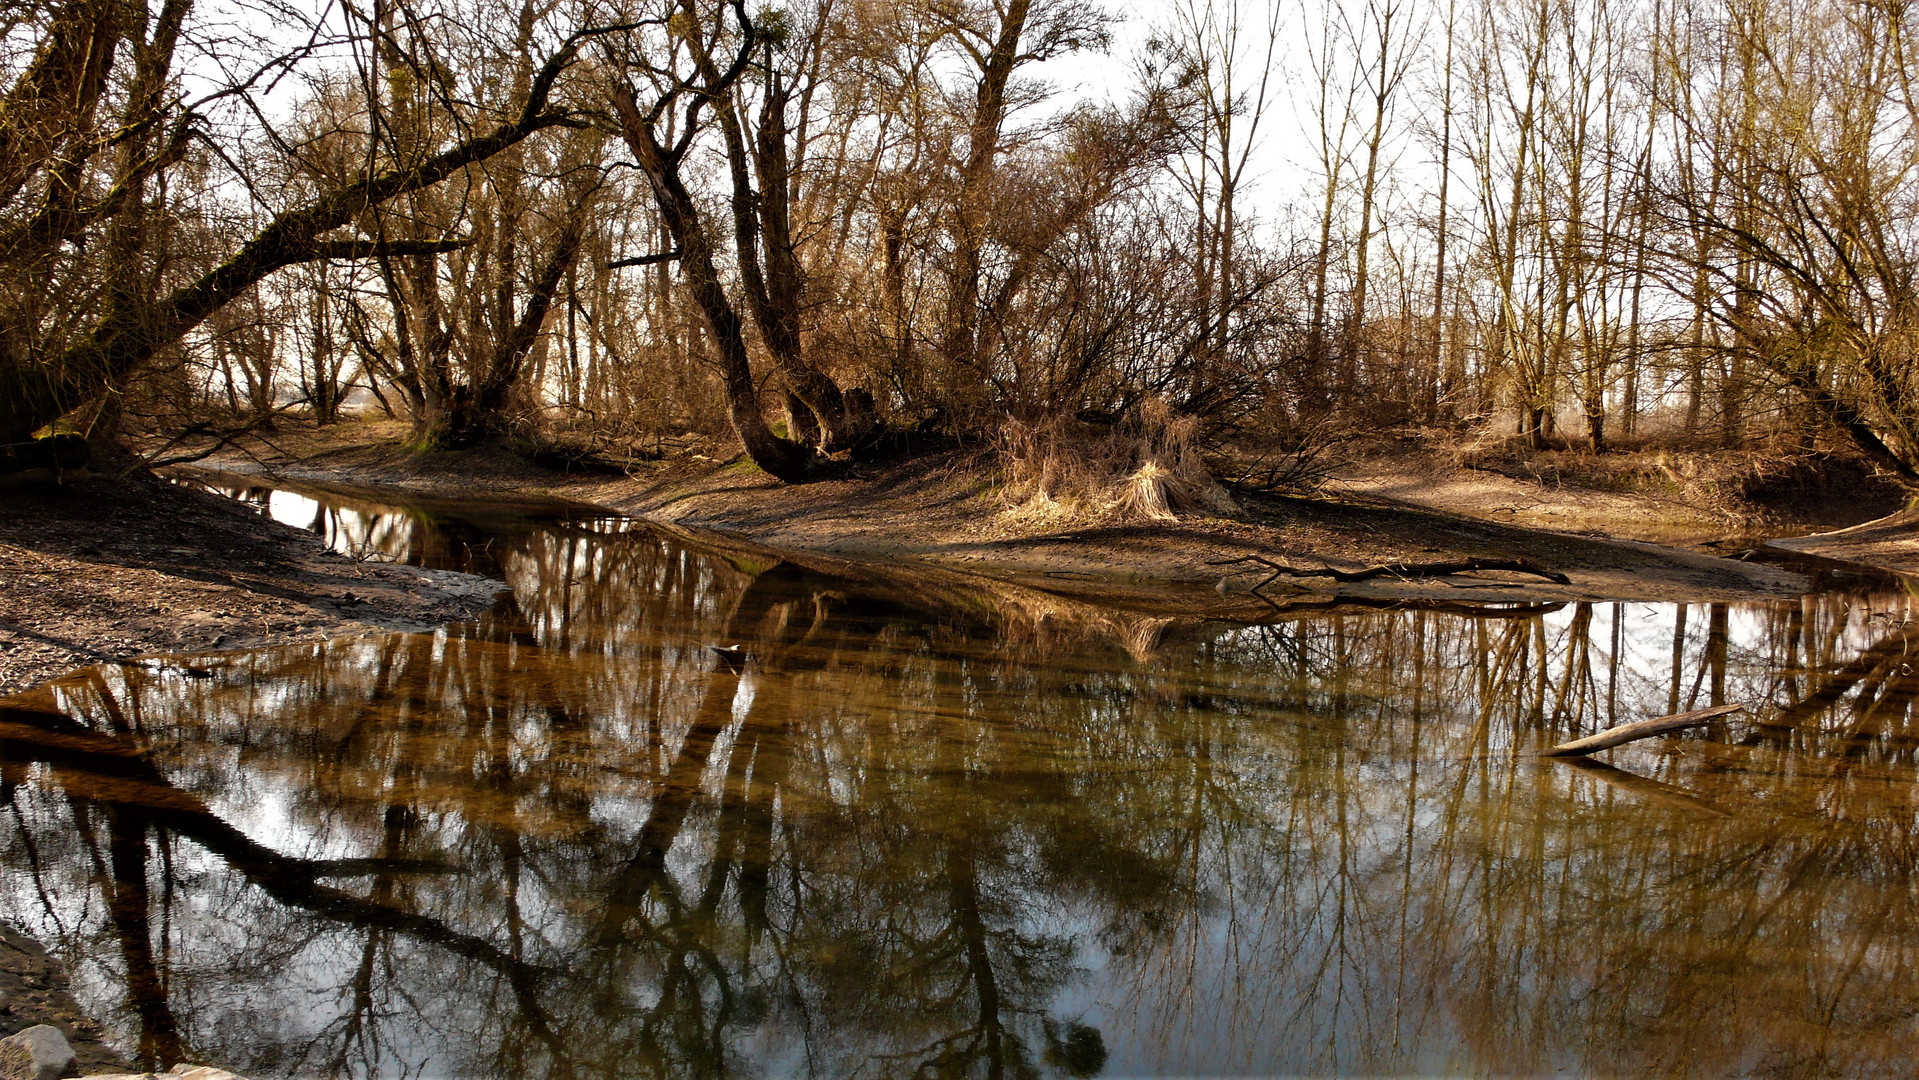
(375,249)
(644,260)
(127,335)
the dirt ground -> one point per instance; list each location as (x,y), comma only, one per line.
(102,570)
(1890,543)
(1711,499)
(943,511)
(1508,496)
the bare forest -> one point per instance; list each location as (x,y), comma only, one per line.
(1039,538)
(840,224)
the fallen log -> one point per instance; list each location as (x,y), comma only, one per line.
(1402,570)
(1640,729)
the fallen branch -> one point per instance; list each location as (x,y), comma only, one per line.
(1640,729)
(221,440)
(1400,570)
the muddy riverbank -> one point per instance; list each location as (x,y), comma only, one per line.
(945,511)
(108,569)
(113,570)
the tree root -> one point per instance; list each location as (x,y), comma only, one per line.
(1292,608)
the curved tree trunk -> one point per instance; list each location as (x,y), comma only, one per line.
(762,220)
(961,335)
(843,424)
(786,460)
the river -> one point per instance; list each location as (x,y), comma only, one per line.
(910,828)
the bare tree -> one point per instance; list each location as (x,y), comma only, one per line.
(1814,198)
(688,75)
(85,159)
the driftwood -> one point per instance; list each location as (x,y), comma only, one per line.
(1402,570)
(1641,729)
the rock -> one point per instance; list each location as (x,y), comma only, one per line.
(38,1053)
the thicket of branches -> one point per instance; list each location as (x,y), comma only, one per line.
(811,225)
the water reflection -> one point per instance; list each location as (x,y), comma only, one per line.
(397,528)
(922,832)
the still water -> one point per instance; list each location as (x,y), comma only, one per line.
(918,830)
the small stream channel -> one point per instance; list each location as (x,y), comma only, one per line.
(919,830)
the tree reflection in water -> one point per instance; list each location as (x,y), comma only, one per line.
(922,831)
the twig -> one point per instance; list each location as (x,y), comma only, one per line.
(222,439)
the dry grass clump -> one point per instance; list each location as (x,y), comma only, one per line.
(1147,468)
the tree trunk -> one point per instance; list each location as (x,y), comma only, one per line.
(784,459)
(961,340)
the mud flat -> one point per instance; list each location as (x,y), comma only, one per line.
(114,570)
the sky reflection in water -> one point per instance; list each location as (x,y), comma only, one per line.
(921,830)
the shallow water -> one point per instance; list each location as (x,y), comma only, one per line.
(921,830)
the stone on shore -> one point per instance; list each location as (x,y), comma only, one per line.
(38,1053)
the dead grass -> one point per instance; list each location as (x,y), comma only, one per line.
(1148,468)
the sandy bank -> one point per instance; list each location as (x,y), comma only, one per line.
(942,511)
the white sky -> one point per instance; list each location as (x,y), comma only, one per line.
(1284,170)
